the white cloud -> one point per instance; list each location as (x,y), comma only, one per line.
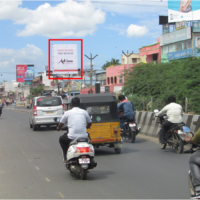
(30,54)
(136,31)
(133,8)
(113,14)
(63,20)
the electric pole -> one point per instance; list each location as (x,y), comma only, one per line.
(127,55)
(91,70)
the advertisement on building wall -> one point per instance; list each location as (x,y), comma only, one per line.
(197,46)
(196,27)
(24,73)
(176,36)
(65,59)
(180,54)
(165,28)
(179,10)
(180,25)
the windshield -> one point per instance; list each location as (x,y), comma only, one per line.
(48,101)
(98,109)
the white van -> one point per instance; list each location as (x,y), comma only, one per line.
(44,109)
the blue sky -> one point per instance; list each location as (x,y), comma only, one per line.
(106,27)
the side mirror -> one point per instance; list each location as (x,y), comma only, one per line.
(156,111)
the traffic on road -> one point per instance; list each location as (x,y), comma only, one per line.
(139,169)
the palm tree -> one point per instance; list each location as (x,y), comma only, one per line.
(112,62)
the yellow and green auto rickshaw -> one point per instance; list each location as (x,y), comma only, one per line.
(102,108)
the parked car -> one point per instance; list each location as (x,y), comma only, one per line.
(44,110)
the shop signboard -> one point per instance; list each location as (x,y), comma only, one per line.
(179,10)
(176,36)
(24,73)
(196,27)
(197,46)
(180,25)
(180,54)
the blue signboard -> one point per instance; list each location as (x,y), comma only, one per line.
(196,27)
(197,46)
(180,54)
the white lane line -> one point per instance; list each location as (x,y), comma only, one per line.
(37,168)
(61,195)
(47,179)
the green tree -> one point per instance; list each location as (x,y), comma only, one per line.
(113,61)
(38,90)
(158,81)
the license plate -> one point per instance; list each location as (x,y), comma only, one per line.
(132,125)
(50,112)
(84,161)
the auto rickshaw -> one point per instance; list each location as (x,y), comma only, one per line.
(102,108)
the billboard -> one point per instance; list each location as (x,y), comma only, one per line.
(180,54)
(65,59)
(24,73)
(197,46)
(180,25)
(176,36)
(179,10)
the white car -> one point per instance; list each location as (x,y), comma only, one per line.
(44,110)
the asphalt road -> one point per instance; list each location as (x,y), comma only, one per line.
(31,167)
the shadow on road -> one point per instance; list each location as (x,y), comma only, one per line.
(137,140)
(93,175)
(110,151)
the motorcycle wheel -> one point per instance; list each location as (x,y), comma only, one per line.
(179,147)
(131,136)
(83,174)
(190,184)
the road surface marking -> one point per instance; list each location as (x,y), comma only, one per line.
(37,168)
(61,195)
(47,179)
(29,160)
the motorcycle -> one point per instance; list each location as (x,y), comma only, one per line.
(192,190)
(80,155)
(130,130)
(175,136)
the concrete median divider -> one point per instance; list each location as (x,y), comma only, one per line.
(150,127)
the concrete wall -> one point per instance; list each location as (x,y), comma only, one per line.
(150,127)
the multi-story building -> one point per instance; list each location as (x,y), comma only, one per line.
(151,52)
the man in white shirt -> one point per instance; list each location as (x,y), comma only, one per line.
(77,121)
(174,113)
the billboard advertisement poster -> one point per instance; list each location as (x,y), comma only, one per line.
(65,59)
(179,10)
(165,28)
(197,46)
(196,27)
(180,25)
(176,36)
(24,73)
(180,54)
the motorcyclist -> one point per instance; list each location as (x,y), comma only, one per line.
(126,110)
(77,121)
(174,113)
(194,163)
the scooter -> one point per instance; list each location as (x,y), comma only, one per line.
(80,155)
(192,190)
